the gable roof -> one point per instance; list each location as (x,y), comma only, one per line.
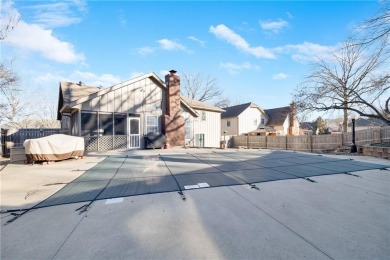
(195,104)
(101,92)
(235,111)
(277,116)
(72,91)
(72,94)
(369,122)
(307,125)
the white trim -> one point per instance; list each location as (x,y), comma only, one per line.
(133,137)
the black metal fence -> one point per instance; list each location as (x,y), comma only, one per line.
(17,138)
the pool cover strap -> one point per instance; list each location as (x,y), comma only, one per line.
(137,175)
(85,207)
(183,197)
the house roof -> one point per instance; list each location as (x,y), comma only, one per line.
(266,129)
(72,91)
(101,92)
(73,94)
(235,111)
(277,116)
(195,104)
(367,122)
(307,125)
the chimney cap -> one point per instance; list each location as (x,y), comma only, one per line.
(172,71)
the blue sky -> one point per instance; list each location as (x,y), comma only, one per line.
(258,51)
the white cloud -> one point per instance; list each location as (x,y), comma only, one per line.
(145,50)
(31,37)
(59,14)
(280,76)
(201,43)
(223,32)
(234,68)
(273,26)
(92,79)
(306,52)
(46,78)
(289,15)
(170,45)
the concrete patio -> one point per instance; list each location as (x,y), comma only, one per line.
(339,217)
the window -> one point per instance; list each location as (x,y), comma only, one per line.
(228,123)
(203,115)
(255,122)
(188,128)
(89,123)
(262,121)
(106,124)
(151,124)
(102,124)
(120,124)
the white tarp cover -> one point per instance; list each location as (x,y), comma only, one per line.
(54,147)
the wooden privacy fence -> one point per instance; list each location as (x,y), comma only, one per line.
(313,143)
(17,139)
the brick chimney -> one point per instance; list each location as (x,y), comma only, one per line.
(173,121)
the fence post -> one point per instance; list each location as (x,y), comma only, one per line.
(340,140)
(3,141)
(310,143)
(266,145)
(286,142)
(247,142)
(380,135)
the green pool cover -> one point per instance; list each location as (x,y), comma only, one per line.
(130,176)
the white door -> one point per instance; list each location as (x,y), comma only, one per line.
(134,137)
(199,140)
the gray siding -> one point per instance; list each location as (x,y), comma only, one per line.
(137,98)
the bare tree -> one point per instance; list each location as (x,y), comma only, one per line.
(376,28)
(7,76)
(8,25)
(350,80)
(355,77)
(10,104)
(46,114)
(203,88)
(223,102)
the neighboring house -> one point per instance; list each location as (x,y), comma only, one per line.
(366,123)
(336,125)
(118,117)
(306,128)
(249,118)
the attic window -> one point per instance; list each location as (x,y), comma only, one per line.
(255,122)
(262,121)
(228,123)
(203,115)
